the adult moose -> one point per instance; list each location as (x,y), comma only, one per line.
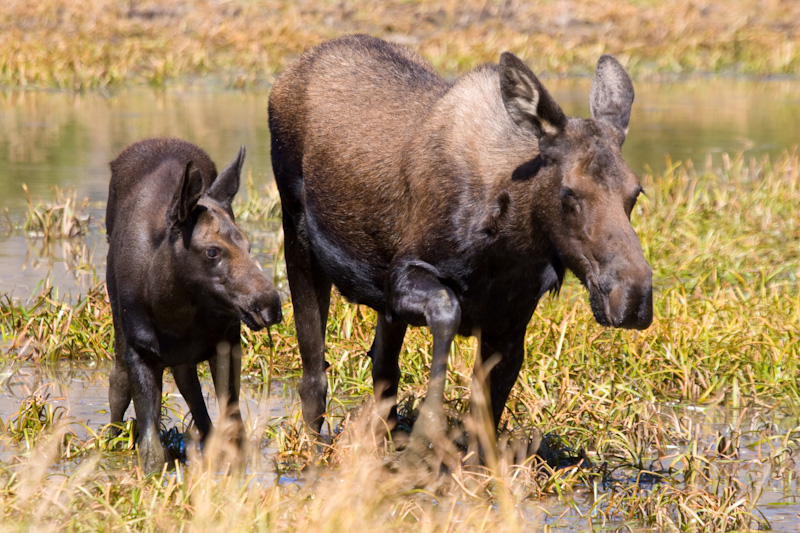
(180,280)
(452,205)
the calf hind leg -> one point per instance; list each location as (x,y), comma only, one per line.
(119,388)
(146,383)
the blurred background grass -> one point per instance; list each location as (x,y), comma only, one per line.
(84,44)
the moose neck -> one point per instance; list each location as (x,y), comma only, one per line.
(480,167)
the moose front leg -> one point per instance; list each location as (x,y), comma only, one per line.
(385,352)
(505,355)
(418,297)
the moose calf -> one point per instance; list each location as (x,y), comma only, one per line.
(455,206)
(180,280)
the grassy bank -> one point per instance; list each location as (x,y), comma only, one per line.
(80,44)
(724,244)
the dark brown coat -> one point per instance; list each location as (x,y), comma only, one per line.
(452,205)
(180,280)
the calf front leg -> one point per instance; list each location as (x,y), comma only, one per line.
(226,372)
(145,382)
(189,385)
(418,297)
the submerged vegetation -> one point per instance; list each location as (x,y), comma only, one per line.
(612,413)
(80,44)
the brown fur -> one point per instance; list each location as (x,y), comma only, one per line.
(451,205)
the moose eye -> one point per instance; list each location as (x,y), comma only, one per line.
(212,253)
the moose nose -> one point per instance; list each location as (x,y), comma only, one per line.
(630,302)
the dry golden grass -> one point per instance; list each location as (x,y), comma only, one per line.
(78,44)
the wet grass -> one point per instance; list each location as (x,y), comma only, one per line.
(611,412)
(84,44)
(64,217)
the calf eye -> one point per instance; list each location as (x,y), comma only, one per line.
(212,253)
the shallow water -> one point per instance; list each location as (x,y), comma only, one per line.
(80,392)
(772,483)
(53,138)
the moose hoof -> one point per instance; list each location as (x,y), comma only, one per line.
(151,453)
(430,446)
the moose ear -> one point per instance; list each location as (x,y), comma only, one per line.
(526,100)
(186,196)
(226,185)
(611,95)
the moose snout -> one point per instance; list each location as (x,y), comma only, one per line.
(629,302)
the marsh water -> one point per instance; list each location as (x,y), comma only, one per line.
(57,139)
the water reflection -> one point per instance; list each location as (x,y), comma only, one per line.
(52,138)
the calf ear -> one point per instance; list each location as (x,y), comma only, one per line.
(226,185)
(186,196)
(526,100)
(611,95)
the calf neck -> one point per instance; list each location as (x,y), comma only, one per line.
(455,206)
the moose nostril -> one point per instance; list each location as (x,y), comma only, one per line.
(271,315)
(278,316)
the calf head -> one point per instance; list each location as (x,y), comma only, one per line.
(582,190)
(211,252)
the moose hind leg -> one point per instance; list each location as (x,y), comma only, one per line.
(311,292)
(385,352)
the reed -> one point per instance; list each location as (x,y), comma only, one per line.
(89,44)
